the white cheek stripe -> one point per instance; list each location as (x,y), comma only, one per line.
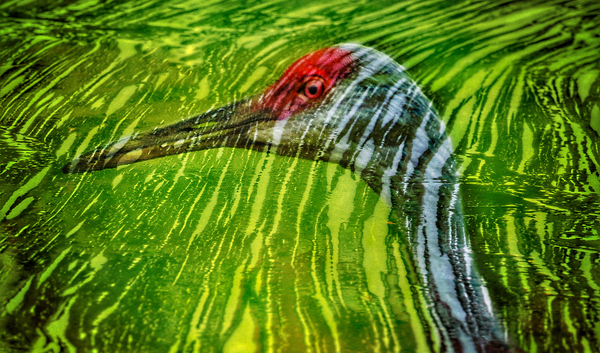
(365,155)
(365,72)
(386,189)
(420,145)
(342,146)
(395,103)
(396,117)
(278,131)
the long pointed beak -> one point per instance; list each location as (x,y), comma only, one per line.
(228,126)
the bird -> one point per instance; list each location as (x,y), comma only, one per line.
(355,106)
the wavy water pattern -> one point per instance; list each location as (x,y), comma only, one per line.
(239,251)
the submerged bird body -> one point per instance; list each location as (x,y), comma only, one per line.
(354,106)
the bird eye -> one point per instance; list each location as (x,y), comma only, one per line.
(314,88)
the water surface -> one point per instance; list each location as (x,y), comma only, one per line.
(231,250)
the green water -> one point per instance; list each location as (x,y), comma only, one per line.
(238,251)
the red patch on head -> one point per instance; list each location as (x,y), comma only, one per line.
(306,81)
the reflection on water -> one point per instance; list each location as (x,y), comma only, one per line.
(242,251)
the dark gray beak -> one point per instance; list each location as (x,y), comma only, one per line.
(229,126)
